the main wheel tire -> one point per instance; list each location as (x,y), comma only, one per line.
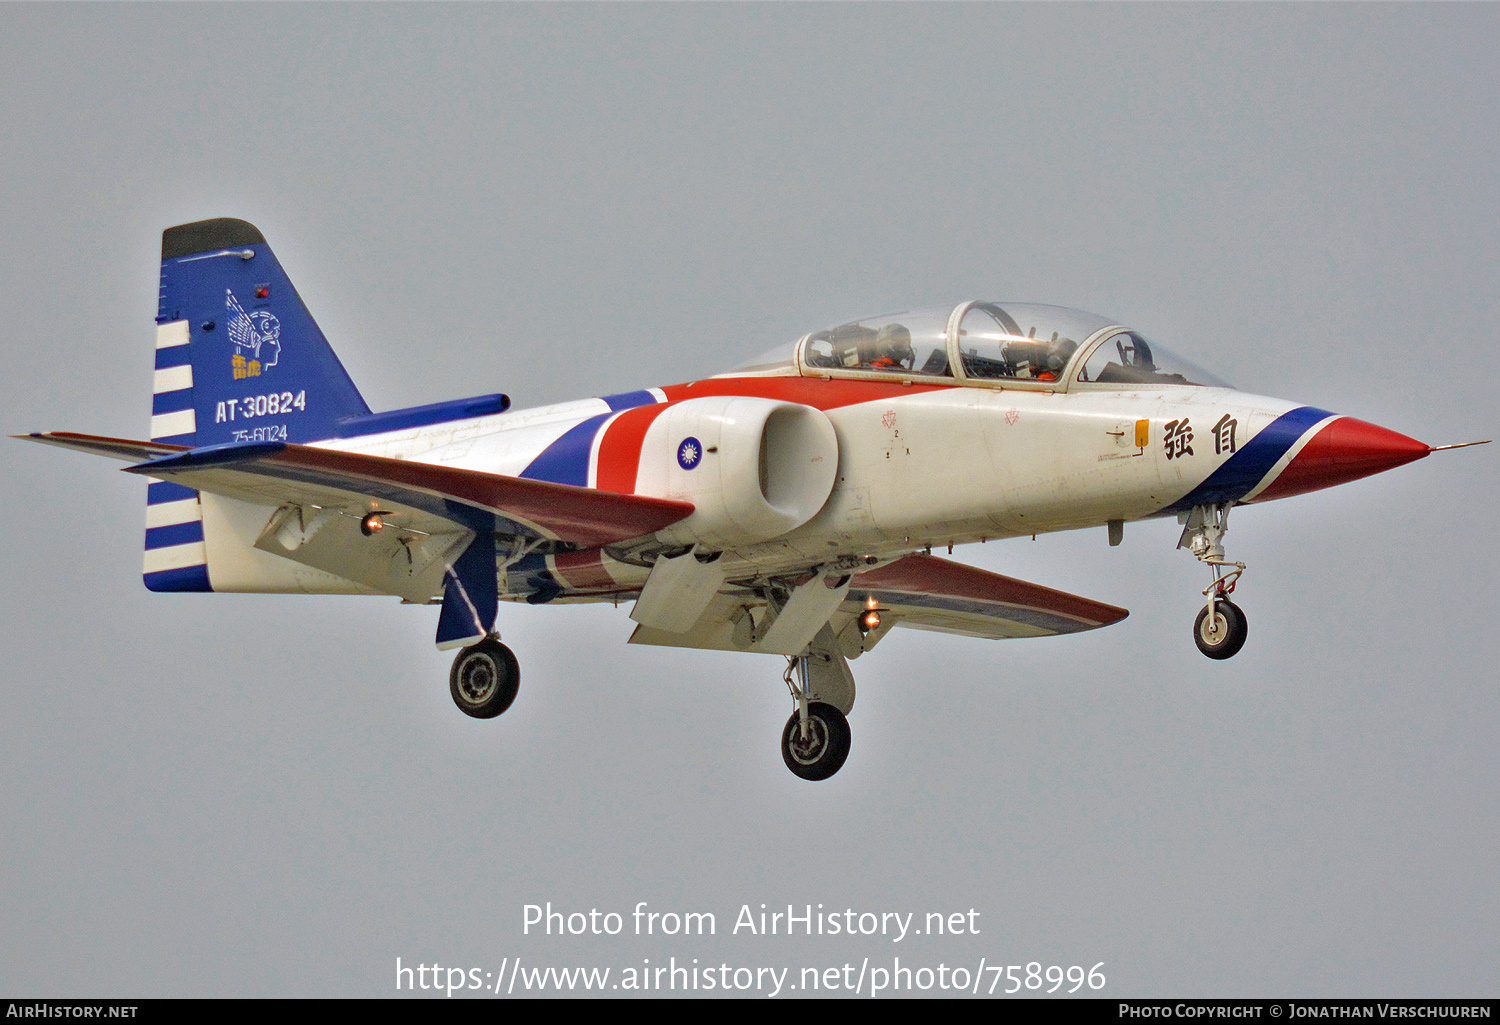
(1225,635)
(484,679)
(827,744)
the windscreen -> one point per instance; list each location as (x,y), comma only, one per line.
(779,360)
(1129,358)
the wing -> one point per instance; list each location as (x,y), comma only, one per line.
(280,473)
(929,593)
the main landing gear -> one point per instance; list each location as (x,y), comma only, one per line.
(816,739)
(484,679)
(1220,629)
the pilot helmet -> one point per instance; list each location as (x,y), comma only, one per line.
(1062,351)
(894,340)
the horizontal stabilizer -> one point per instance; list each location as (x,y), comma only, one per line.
(114,448)
(281,472)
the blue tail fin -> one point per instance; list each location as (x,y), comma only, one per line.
(261,368)
(238,358)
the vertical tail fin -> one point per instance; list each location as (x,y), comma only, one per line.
(238,358)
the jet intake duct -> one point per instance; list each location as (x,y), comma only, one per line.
(754,468)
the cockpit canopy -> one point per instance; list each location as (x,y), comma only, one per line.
(914,342)
(1026,344)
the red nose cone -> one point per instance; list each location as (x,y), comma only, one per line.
(1347,449)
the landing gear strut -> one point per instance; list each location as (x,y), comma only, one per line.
(484,679)
(1220,629)
(816,739)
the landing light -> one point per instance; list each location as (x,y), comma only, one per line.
(374,523)
(869,620)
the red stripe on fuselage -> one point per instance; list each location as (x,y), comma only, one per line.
(810,391)
(620,448)
(1344,450)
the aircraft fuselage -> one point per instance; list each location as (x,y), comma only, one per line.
(917,466)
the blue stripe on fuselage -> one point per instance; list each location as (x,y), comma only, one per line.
(629,400)
(1241,472)
(566,460)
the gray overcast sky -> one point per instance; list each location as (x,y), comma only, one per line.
(274,795)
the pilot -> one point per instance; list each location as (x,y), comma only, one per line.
(893,349)
(1038,359)
(1057,357)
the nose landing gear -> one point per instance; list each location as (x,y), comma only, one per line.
(484,679)
(1221,627)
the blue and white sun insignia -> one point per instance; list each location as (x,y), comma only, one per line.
(256,337)
(689,453)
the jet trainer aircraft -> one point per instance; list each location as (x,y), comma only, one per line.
(789,506)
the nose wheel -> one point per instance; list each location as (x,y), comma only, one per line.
(1221,627)
(484,679)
